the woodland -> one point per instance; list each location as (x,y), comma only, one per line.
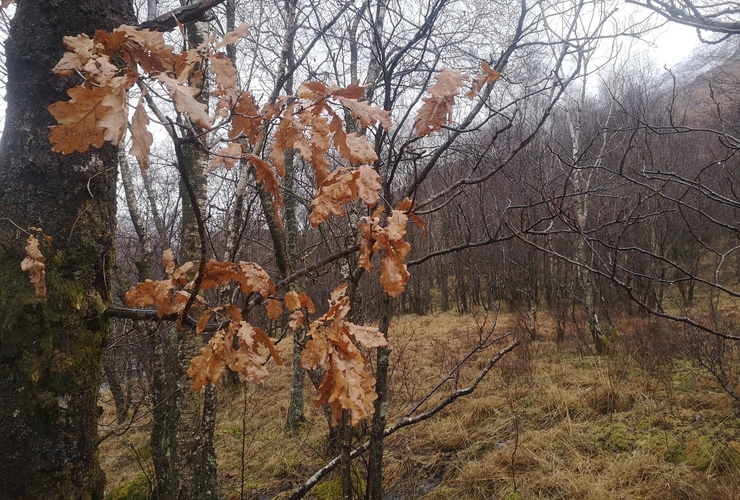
(368,249)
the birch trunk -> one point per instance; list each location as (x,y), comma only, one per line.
(184,423)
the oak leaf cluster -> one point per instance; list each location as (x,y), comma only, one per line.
(337,347)
(311,122)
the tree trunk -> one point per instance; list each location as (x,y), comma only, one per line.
(51,351)
(375,453)
(164,393)
(444,286)
(185,420)
(120,399)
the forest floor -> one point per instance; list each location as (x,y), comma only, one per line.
(549,421)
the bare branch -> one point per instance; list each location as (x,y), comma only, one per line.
(182,15)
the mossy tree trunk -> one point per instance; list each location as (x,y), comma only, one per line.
(51,352)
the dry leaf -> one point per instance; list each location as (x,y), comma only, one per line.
(234,313)
(340,188)
(253,279)
(141,138)
(489,76)
(274,309)
(367,113)
(354,91)
(224,70)
(34,265)
(289,135)
(236,347)
(261,337)
(203,321)
(437,109)
(347,382)
(82,50)
(246,119)
(141,47)
(320,142)
(168,259)
(90,118)
(332,197)
(184,98)
(265,175)
(151,292)
(360,149)
(242,31)
(292,301)
(389,240)
(368,185)
(217,274)
(228,156)
(208,365)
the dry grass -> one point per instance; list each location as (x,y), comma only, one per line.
(548,422)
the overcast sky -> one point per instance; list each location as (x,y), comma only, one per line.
(674,44)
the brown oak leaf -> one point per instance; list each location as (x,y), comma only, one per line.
(347,383)
(340,188)
(184,98)
(141,138)
(224,70)
(359,149)
(90,118)
(246,119)
(228,156)
(274,309)
(437,109)
(81,50)
(217,274)
(241,31)
(253,279)
(367,113)
(208,365)
(389,241)
(489,76)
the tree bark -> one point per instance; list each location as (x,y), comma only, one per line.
(185,459)
(51,351)
(375,460)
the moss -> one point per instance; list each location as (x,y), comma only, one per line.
(144,451)
(665,445)
(443,492)
(615,438)
(19,304)
(513,495)
(286,466)
(710,455)
(234,430)
(53,350)
(700,453)
(139,488)
(331,489)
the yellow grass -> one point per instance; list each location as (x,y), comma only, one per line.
(548,422)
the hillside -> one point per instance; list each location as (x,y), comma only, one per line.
(549,421)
